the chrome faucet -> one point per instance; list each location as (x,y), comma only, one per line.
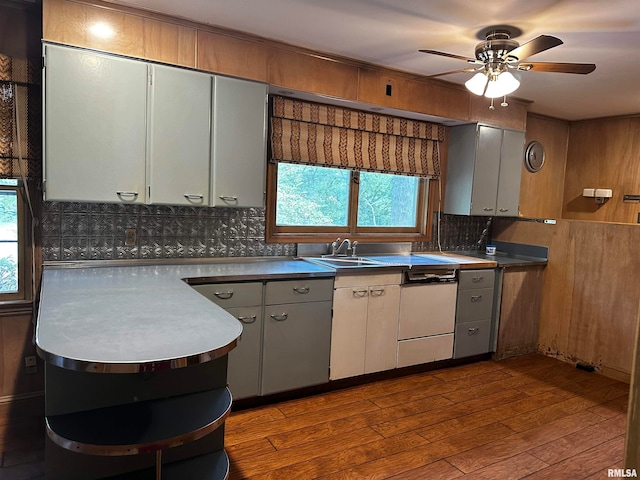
(346,245)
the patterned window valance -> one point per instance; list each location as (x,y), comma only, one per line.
(20,98)
(326,135)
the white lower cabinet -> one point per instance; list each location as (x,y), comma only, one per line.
(365,324)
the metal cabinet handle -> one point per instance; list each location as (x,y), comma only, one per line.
(301,290)
(280,317)
(473,331)
(476,298)
(224,295)
(229,198)
(504,209)
(247,320)
(193,196)
(127,194)
(477,279)
(360,293)
(377,292)
(487,209)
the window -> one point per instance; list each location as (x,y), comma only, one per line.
(11,257)
(323,202)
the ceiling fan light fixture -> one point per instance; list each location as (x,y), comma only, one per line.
(503,84)
(477,83)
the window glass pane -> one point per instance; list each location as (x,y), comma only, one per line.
(312,196)
(8,241)
(387,200)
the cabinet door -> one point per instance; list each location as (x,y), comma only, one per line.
(179,136)
(485,174)
(510,173)
(382,328)
(239,143)
(243,371)
(349,332)
(295,351)
(94,126)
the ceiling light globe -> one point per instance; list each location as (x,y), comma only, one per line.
(477,83)
(505,84)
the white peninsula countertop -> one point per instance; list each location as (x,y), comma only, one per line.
(144,317)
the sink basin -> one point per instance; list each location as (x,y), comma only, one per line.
(345,262)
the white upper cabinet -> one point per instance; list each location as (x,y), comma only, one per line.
(94,126)
(483,171)
(179,136)
(239,143)
(123,130)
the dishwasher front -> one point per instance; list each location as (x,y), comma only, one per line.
(427,316)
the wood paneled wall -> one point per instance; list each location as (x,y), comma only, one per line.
(603,153)
(16,334)
(156,37)
(541,192)
(519,311)
(589,300)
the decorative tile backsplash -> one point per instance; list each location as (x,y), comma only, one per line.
(96,231)
(457,233)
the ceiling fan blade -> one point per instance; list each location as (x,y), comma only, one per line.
(452,71)
(537,45)
(580,68)
(450,55)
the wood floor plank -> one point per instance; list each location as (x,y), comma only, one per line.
(553,412)
(469,370)
(485,455)
(577,442)
(441,470)
(396,426)
(513,468)
(370,418)
(595,460)
(485,417)
(421,456)
(254,416)
(353,394)
(245,433)
(463,383)
(346,458)
(248,467)
(612,407)
(249,449)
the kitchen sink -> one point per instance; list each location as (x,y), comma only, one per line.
(345,262)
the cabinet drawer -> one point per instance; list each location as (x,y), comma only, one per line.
(365,280)
(472,339)
(424,350)
(474,304)
(476,279)
(302,290)
(229,295)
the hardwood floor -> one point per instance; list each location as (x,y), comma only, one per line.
(528,417)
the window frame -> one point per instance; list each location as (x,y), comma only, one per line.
(24,270)
(311,234)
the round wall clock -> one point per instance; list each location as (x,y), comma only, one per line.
(534,156)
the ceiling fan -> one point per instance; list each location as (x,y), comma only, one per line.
(499,54)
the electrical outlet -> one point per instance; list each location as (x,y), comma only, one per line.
(30,365)
(130,237)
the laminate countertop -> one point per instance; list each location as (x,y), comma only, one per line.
(144,317)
